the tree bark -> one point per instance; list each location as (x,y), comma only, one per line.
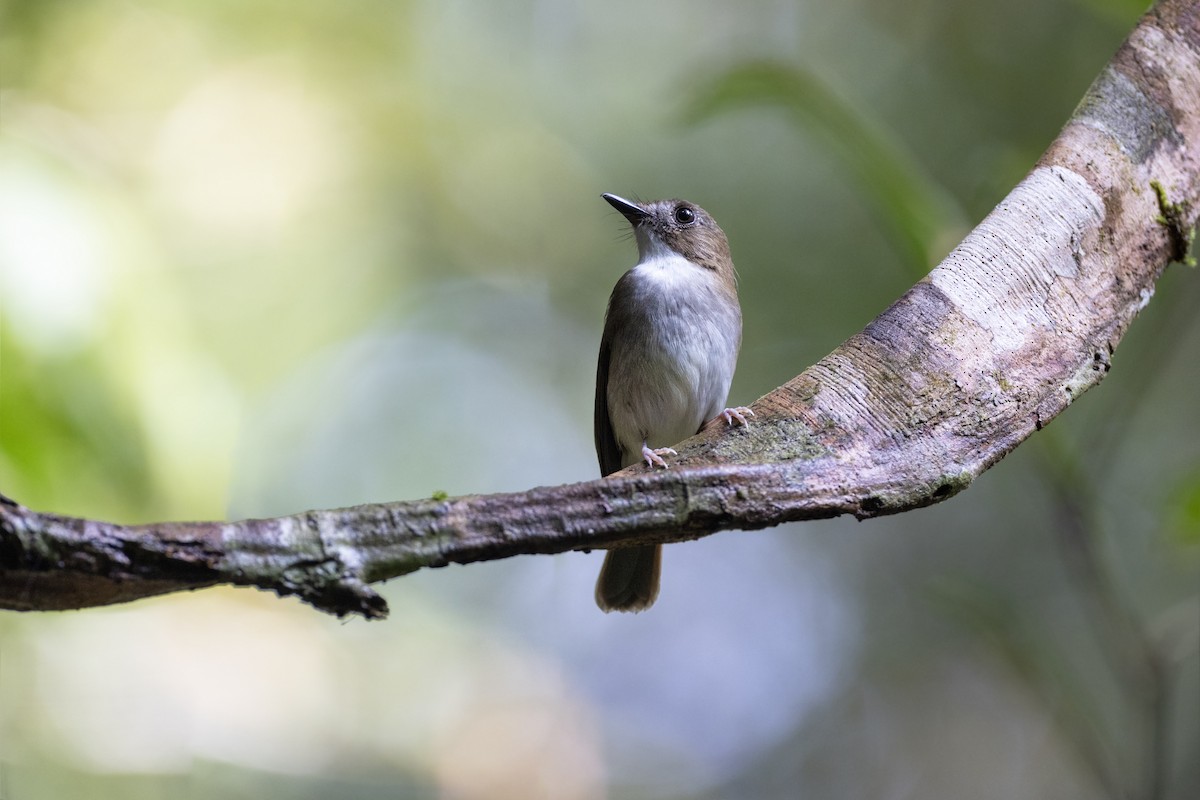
(1018,321)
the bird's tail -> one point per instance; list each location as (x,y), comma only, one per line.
(629,578)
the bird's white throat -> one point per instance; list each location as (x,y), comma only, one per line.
(663,266)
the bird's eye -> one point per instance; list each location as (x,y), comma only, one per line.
(684,215)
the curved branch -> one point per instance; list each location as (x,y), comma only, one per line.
(1018,321)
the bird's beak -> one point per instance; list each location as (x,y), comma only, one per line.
(631,211)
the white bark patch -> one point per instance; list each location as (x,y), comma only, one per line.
(1004,271)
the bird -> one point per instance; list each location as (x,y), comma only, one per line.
(672,332)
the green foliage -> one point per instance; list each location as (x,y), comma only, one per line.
(62,425)
(1184,513)
(921,216)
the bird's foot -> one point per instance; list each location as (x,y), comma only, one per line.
(655,457)
(740,413)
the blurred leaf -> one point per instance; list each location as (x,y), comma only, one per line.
(991,617)
(1185,512)
(1117,12)
(921,216)
(61,426)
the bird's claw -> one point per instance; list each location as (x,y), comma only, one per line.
(655,457)
(740,413)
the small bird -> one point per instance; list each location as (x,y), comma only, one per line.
(671,338)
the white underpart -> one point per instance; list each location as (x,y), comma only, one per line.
(679,377)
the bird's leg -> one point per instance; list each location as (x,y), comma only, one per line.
(739,413)
(655,457)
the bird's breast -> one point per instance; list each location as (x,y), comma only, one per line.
(673,352)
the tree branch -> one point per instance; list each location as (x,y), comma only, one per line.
(1018,321)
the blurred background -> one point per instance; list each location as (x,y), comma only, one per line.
(259,256)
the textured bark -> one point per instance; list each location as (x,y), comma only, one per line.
(1003,335)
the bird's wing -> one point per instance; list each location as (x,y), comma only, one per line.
(607,448)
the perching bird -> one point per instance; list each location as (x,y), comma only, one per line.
(670,345)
